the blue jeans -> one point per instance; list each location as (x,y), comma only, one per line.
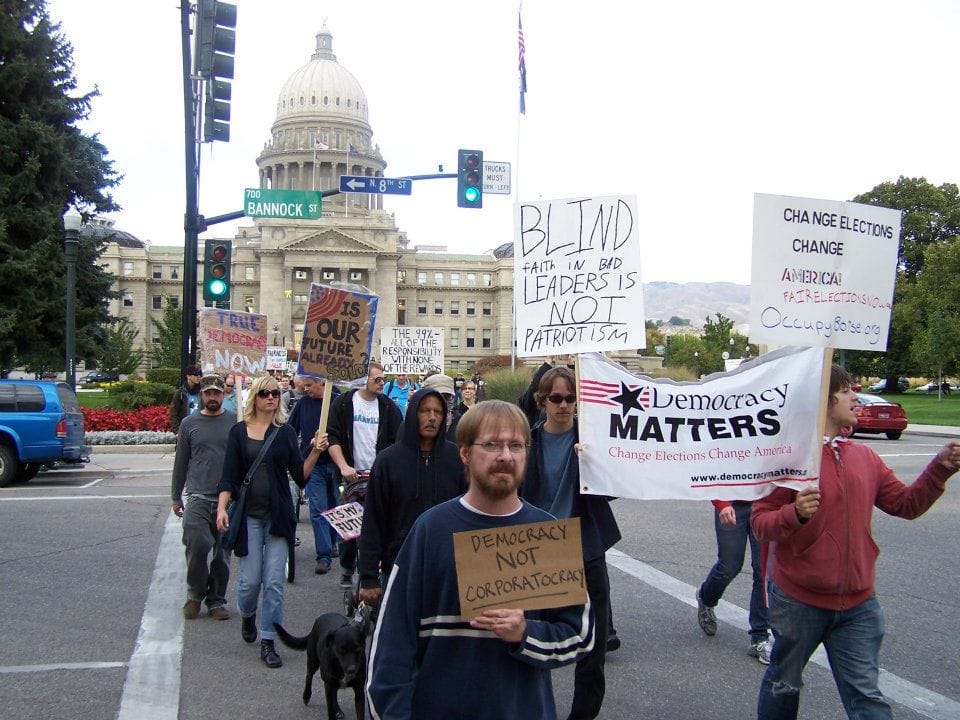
(263,565)
(731,549)
(322,494)
(852,640)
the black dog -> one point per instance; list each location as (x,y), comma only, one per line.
(337,648)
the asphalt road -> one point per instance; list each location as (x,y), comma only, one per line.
(93,626)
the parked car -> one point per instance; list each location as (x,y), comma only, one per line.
(99,376)
(932,387)
(40,424)
(881,386)
(876,415)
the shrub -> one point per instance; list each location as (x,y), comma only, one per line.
(129,395)
(507,385)
(491,363)
(125,437)
(167,376)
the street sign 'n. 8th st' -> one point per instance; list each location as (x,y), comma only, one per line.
(287,204)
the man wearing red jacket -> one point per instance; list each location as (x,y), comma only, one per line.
(825,563)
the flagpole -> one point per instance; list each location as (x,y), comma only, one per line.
(521,67)
(346,198)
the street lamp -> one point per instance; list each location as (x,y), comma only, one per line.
(732,343)
(71,242)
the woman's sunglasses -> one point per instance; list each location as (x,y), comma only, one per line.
(268,393)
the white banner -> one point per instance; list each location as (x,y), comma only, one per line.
(577,276)
(823,272)
(411,350)
(276,358)
(731,436)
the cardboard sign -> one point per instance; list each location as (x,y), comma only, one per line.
(731,436)
(823,272)
(337,333)
(411,350)
(531,567)
(232,342)
(276,358)
(346,519)
(577,276)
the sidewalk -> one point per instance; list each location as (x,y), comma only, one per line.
(945,431)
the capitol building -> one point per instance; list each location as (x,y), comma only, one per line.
(321,133)
(275,261)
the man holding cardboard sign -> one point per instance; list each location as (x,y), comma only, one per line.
(424,647)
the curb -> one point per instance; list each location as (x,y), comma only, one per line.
(132,449)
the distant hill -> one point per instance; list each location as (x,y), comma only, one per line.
(695,301)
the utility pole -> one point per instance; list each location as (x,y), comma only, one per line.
(191,220)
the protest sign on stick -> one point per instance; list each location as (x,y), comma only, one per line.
(411,350)
(731,436)
(337,336)
(577,276)
(823,272)
(532,567)
(232,342)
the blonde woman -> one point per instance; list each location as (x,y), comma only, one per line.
(268,516)
(468,398)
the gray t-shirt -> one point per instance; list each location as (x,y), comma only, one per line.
(556,496)
(198,463)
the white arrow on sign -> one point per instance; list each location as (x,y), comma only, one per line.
(354,184)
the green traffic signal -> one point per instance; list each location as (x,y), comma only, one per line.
(216,269)
(470,178)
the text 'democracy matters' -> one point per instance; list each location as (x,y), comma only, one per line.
(823,272)
(577,276)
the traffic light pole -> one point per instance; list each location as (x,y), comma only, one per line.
(191,216)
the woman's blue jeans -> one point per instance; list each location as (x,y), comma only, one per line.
(263,567)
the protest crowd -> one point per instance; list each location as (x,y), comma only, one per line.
(426,458)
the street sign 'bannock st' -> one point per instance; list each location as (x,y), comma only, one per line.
(286,204)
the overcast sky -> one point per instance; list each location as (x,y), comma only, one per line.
(690,106)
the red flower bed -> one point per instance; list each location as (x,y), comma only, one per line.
(146,418)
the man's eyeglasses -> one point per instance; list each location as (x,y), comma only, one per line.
(268,393)
(378,380)
(494,448)
(557,398)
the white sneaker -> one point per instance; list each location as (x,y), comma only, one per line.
(761,651)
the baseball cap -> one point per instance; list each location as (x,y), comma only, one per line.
(211,382)
(443,384)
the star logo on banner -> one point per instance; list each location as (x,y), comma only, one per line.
(638,398)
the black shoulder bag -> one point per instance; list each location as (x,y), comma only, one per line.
(238,507)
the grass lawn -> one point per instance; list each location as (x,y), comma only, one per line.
(926,409)
(93,399)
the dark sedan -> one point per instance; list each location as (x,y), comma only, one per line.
(876,415)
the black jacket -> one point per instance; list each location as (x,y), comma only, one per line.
(283,457)
(404,483)
(340,426)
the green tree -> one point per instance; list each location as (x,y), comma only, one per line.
(46,164)
(935,302)
(686,350)
(169,331)
(117,351)
(930,217)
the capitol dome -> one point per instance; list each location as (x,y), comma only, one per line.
(322,86)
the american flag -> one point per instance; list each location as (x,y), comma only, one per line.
(523,68)
(320,144)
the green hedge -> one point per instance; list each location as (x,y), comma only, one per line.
(130,395)
(167,376)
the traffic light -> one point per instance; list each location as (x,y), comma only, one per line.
(216,269)
(216,46)
(470,178)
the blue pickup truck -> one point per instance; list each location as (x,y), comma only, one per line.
(40,423)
